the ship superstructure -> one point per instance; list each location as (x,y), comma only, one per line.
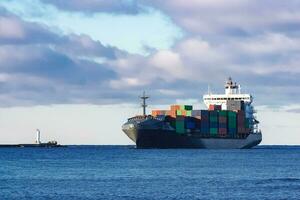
(231,98)
(229,122)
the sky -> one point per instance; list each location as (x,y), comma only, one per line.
(74,69)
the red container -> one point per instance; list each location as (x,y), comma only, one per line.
(215,107)
(241,114)
(204,118)
(198,123)
(222,131)
(222,119)
(241,130)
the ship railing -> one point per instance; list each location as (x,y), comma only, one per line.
(138,117)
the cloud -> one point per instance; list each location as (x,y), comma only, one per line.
(13,30)
(231,17)
(77,69)
(296,110)
(42,67)
(193,63)
(91,6)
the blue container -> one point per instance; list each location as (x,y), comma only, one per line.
(204,113)
(204,130)
(204,124)
(232,131)
(190,125)
(222,125)
(189,119)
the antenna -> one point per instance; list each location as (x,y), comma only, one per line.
(144,105)
(208,89)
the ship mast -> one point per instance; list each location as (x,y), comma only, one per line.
(144,105)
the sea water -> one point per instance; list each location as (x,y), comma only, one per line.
(123,172)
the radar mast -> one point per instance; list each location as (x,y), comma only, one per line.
(144,97)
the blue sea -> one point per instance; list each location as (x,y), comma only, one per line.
(123,172)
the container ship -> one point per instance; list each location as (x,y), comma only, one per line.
(229,122)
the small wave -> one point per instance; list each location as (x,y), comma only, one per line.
(270,180)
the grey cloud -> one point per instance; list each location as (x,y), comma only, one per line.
(231,17)
(296,110)
(91,6)
(83,45)
(51,68)
(15,31)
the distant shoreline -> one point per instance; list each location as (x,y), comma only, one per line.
(44,145)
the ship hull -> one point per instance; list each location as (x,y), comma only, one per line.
(158,138)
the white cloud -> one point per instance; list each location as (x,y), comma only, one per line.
(10,28)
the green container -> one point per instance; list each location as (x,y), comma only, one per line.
(178,112)
(189,113)
(213,113)
(213,119)
(231,120)
(223,113)
(213,131)
(231,125)
(173,124)
(186,107)
(180,127)
(231,114)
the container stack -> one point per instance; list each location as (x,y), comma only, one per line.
(156,113)
(171,120)
(247,125)
(182,110)
(213,122)
(173,110)
(204,121)
(196,114)
(179,125)
(183,120)
(223,123)
(241,129)
(232,125)
(190,123)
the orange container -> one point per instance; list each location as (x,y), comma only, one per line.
(175,107)
(156,112)
(172,113)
